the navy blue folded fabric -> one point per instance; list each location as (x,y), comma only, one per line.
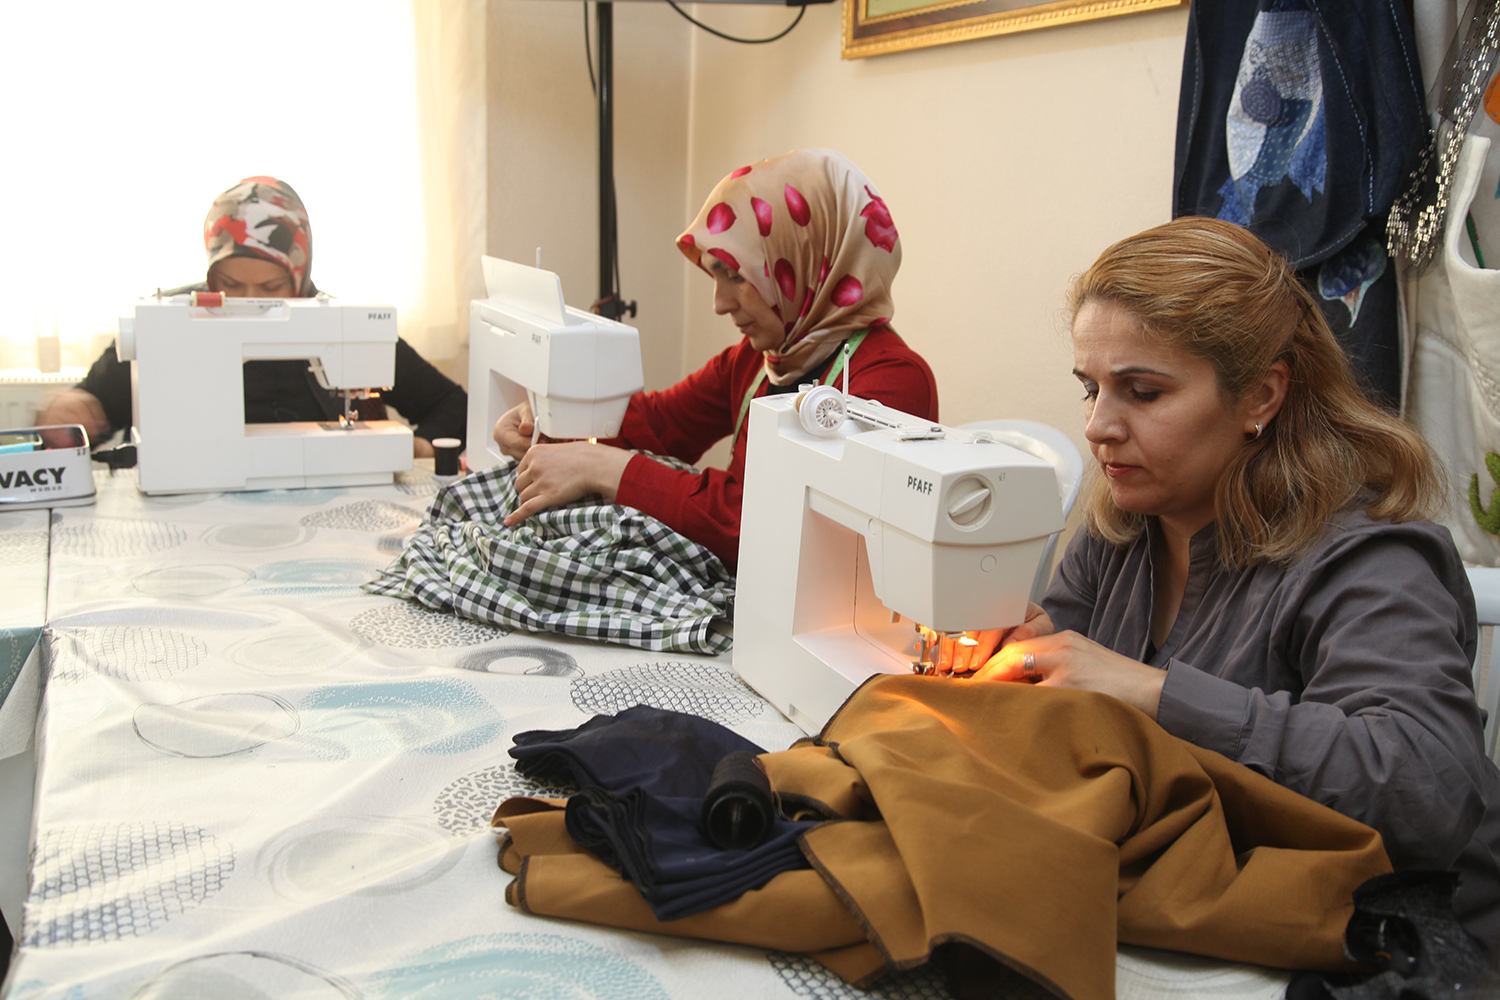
(643,775)
(663,752)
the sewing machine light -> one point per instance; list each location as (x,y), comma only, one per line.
(936,651)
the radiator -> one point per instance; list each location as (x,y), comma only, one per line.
(25,392)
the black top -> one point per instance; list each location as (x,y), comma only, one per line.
(285,390)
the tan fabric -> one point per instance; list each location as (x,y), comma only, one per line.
(813,236)
(1040,826)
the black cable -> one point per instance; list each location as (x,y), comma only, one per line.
(731,38)
(614,198)
(588,52)
(121,456)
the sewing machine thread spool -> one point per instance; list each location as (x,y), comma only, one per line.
(821,410)
(208,300)
(739,808)
(445,459)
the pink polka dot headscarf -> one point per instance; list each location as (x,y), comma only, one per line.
(812,235)
(262,217)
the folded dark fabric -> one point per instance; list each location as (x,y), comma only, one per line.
(654,749)
(659,845)
(643,776)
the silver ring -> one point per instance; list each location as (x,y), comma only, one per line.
(1028,663)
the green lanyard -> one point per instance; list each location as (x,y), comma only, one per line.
(833,372)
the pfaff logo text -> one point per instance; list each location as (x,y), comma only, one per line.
(378,315)
(920,485)
(38,478)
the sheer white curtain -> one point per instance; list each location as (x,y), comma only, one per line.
(451,126)
(122,121)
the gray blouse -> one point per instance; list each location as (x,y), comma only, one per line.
(1346,676)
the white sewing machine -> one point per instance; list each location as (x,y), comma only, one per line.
(187,355)
(577,369)
(856,530)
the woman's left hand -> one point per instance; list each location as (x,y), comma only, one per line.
(553,474)
(1067,659)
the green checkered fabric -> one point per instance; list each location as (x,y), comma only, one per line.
(587,569)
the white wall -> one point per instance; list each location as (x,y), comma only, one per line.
(1008,163)
(544,157)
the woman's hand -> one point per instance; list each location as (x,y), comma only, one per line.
(962,659)
(1067,659)
(77,406)
(553,474)
(514,429)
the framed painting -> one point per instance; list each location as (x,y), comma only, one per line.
(875,27)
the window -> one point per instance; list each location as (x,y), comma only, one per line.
(122,121)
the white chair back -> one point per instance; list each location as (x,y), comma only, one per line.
(1486,583)
(1050,445)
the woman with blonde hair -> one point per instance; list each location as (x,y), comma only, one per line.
(1257,573)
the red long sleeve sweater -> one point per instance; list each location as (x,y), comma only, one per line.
(687,419)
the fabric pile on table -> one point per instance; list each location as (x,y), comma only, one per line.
(595,570)
(642,776)
(1033,828)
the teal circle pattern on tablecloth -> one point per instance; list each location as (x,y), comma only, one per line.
(327,576)
(535,966)
(344,721)
(314,497)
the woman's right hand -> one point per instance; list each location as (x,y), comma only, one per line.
(514,430)
(968,659)
(77,406)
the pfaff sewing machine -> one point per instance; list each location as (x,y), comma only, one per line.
(578,370)
(869,537)
(187,354)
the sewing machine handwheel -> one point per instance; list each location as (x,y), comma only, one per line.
(821,410)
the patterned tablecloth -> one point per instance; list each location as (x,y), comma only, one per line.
(23,614)
(23,596)
(256,780)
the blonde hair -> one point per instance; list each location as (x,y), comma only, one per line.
(1215,291)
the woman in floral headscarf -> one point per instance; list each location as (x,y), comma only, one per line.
(802,252)
(259,245)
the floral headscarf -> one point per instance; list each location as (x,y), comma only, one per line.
(262,217)
(812,235)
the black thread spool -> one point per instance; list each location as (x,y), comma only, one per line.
(445,459)
(739,809)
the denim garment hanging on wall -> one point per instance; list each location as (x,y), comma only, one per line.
(1301,119)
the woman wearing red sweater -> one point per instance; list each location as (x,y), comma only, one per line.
(802,252)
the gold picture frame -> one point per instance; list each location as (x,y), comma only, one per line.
(899,25)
